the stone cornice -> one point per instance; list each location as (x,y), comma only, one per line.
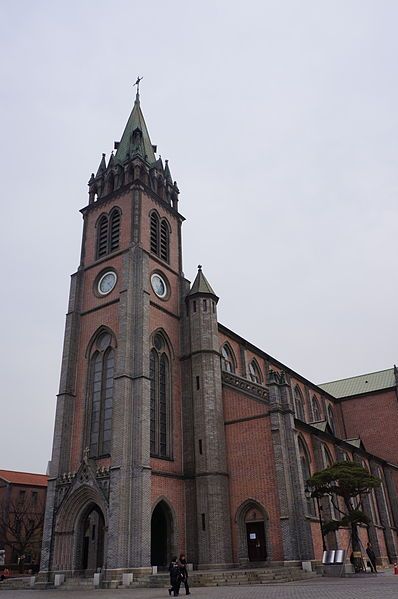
(259,392)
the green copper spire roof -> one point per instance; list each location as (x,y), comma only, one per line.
(135,138)
(201,285)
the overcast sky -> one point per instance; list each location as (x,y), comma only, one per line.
(279,120)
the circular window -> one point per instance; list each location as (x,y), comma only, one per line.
(107,282)
(159,285)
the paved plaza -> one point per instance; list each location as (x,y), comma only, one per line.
(380,587)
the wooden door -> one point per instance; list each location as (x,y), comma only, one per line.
(256,541)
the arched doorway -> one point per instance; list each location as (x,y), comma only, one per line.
(92,539)
(252,523)
(161,535)
(255,535)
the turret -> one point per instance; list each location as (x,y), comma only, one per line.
(212,498)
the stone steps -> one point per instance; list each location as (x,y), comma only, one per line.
(228,577)
(197,578)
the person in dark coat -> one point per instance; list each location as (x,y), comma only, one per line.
(371,557)
(175,577)
(182,563)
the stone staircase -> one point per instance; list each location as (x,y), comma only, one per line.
(235,577)
(197,578)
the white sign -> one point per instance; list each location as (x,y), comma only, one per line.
(252,536)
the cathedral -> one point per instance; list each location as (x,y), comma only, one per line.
(173,433)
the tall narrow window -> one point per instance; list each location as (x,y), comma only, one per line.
(254,372)
(333,500)
(154,233)
(160,418)
(159,237)
(102,245)
(227,359)
(101,395)
(299,404)
(114,230)
(164,241)
(108,233)
(306,473)
(331,420)
(316,412)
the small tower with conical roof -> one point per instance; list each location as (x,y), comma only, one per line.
(212,495)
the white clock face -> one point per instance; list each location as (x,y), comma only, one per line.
(159,285)
(107,282)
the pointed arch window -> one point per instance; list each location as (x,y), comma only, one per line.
(154,233)
(316,412)
(306,474)
(108,233)
(114,230)
(331,419)
(333,501)
(227,359)
(164,241)
(160,413)
(102,366)
(254,372)
(159,237)
(299,404)
(102,238)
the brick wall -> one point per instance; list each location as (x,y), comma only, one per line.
(375,419)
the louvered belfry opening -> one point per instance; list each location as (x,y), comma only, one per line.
(102,248)
(115,230)
(108,239)
(159,237)
(154,233)
(164,241)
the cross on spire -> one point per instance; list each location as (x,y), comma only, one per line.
(137,83)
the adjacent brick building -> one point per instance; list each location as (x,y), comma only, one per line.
(22,505)
(173,433)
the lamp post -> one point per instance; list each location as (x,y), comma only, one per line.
(309,495)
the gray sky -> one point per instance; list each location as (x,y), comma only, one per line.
(280,123)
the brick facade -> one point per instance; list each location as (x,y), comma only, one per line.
(230,486)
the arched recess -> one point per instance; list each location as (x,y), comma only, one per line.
(253,532)
(164,536)
(84,506)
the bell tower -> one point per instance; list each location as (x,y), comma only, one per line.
(113,425)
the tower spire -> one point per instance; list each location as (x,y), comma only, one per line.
(135,139)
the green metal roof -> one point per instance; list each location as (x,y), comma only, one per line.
(201,285)
(357,385)
(135,144)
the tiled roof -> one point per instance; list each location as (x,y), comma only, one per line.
(357,385)
(24,478)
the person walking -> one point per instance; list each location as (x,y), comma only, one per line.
(175,577)
(371,557)
(182,564)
